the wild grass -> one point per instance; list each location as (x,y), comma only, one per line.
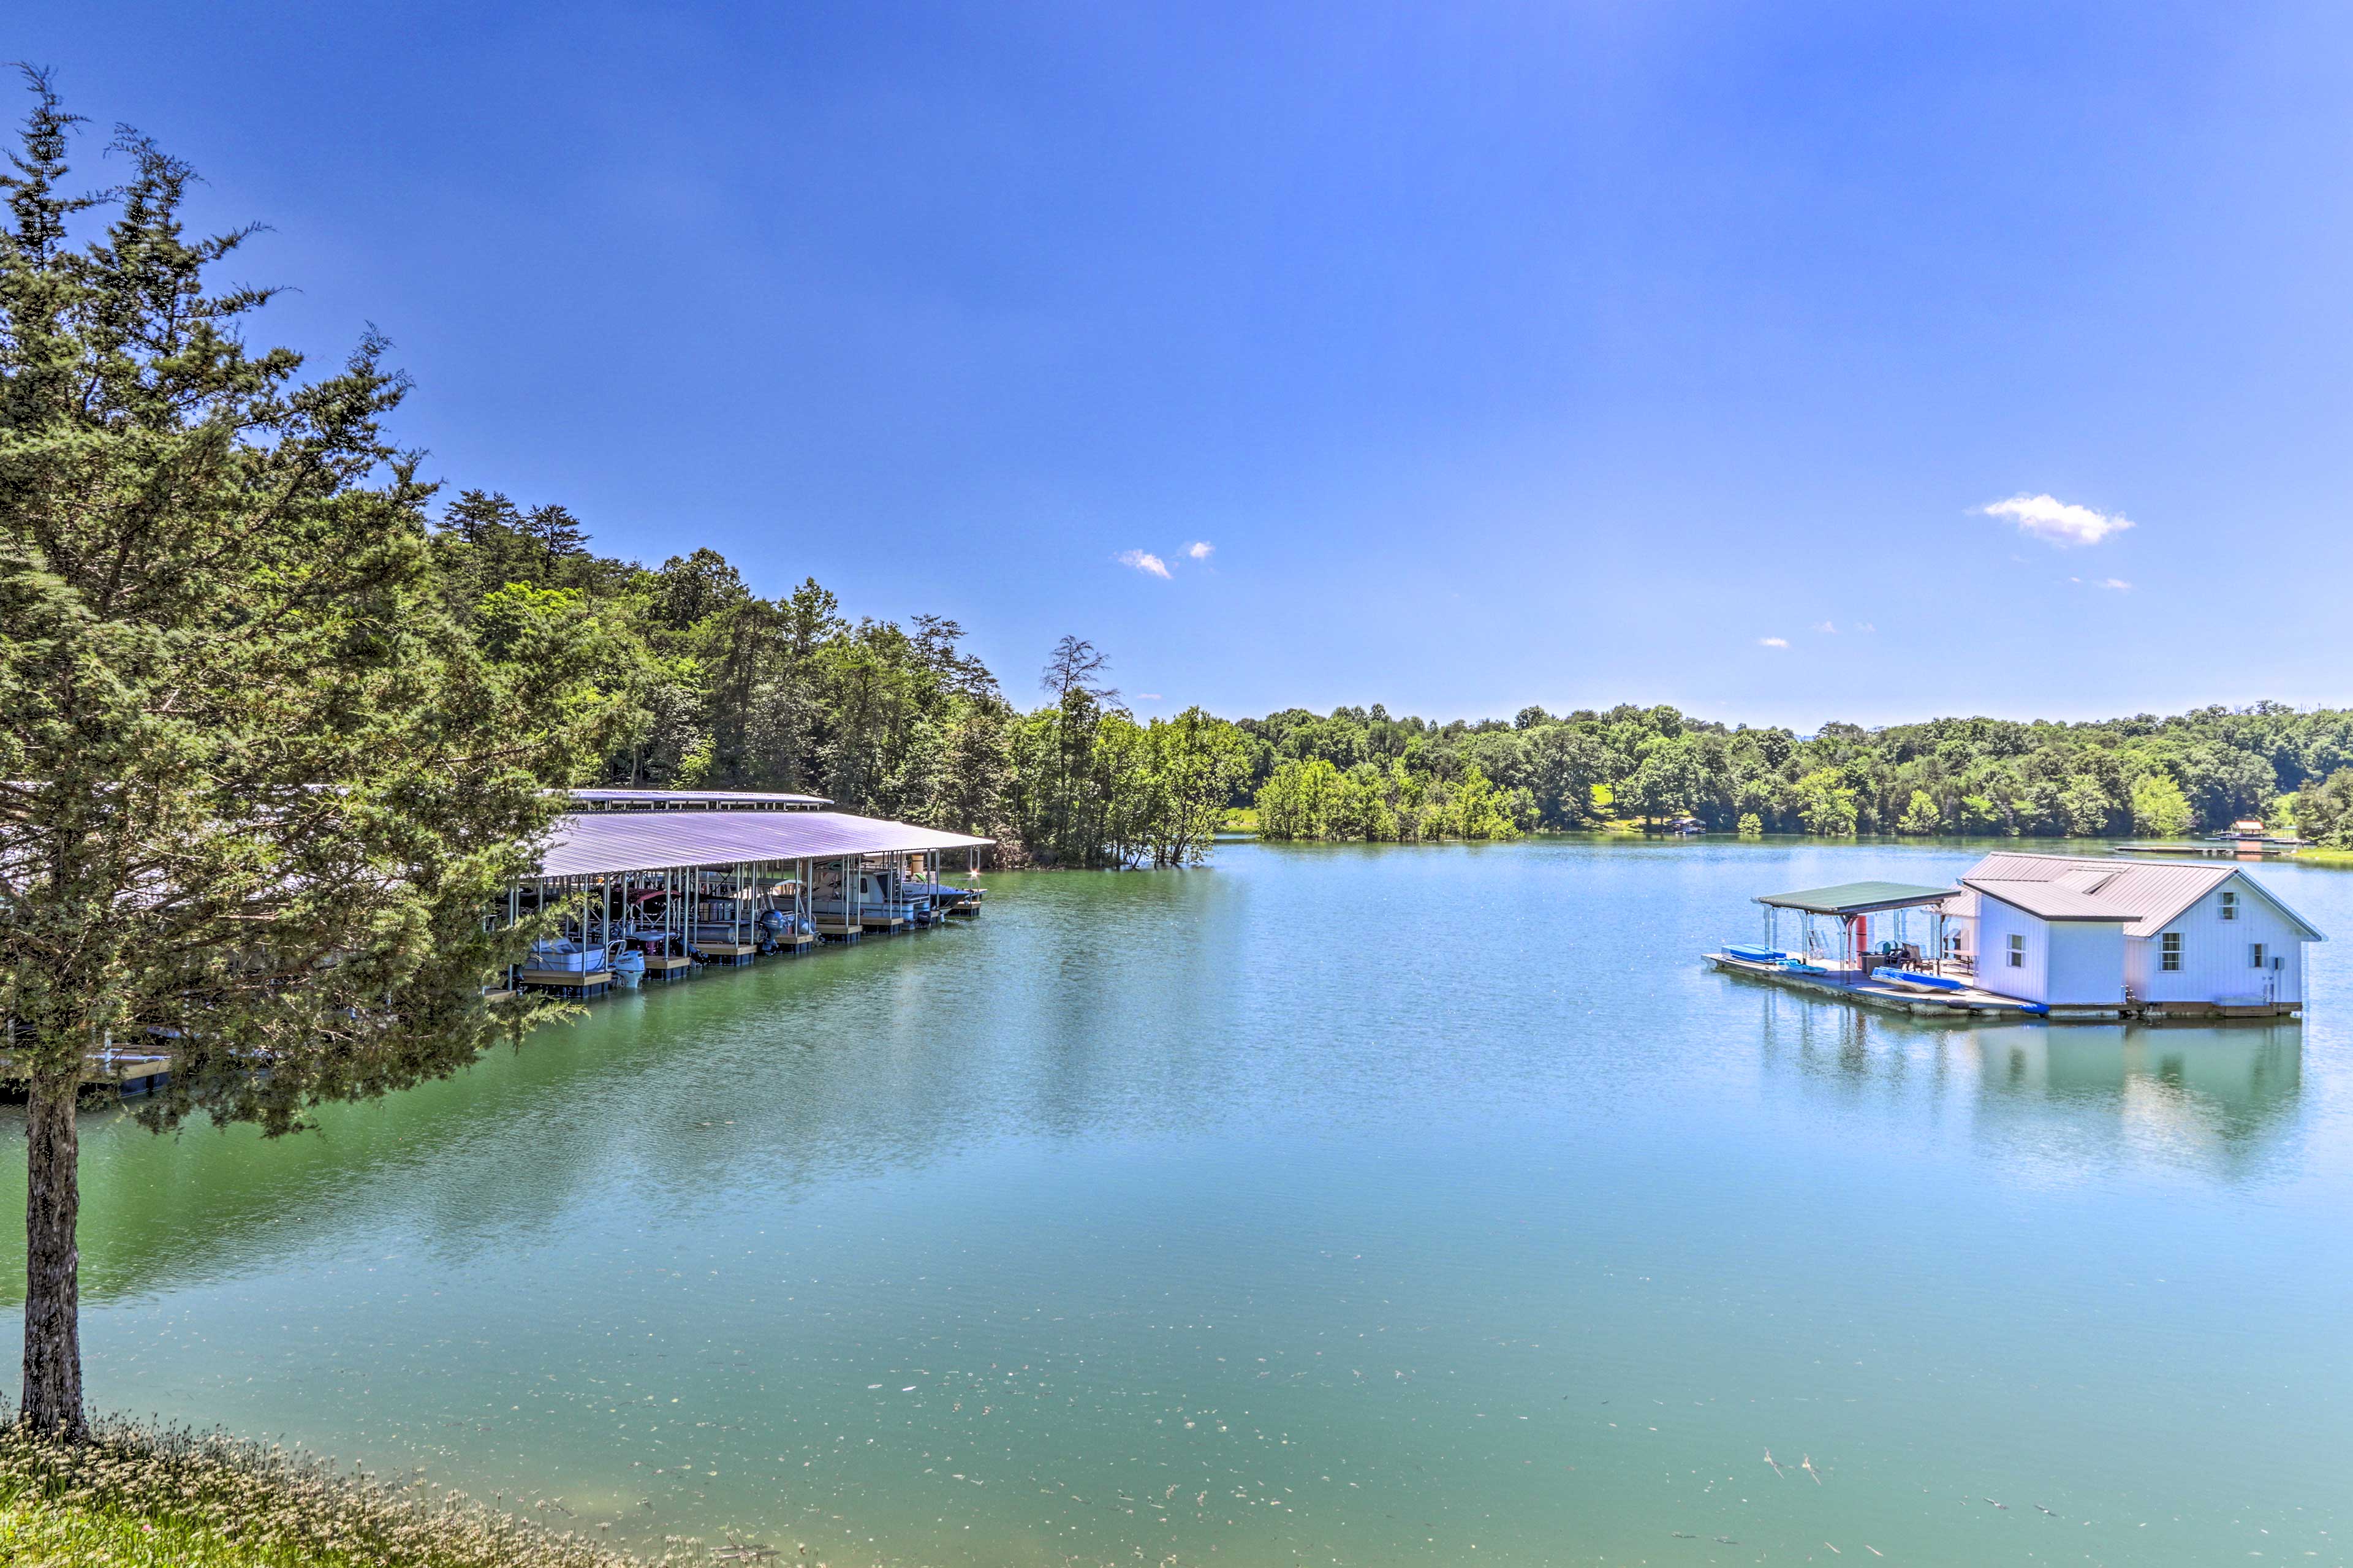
(134,1496)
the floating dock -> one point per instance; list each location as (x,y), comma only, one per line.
(1857,985)
(2064,937)
(133,1072)
(2218,848)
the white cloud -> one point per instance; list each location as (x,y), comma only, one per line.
(1200,549)
(2118,584)
(1142,561)
(1829,627)
(1864,626)
(2055,521)
(1149,696)
(1772,642)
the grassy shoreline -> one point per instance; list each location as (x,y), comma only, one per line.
(142,1497)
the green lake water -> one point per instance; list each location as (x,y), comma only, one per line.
(1356,1205)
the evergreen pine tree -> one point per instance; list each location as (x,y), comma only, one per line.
(256,793)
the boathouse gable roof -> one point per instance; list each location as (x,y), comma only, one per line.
(591,844)
(2050,901)
(2147,897)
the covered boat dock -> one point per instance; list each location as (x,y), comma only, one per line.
(640,889)
(1851,905)
(1844,959)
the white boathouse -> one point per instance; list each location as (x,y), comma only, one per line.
(2071,931)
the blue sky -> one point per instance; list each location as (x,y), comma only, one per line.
(1498,354)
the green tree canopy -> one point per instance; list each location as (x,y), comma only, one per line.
(259,792)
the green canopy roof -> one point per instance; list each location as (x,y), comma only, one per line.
(1856,898)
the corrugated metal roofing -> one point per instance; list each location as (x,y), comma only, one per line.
(590,844)
(2052,901)
(2146,896)
(706,797)
(1856,898)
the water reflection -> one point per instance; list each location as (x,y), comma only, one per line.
(1322,1181)
(2222,1101)
(752,1089)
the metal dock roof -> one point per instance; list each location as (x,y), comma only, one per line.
(691,799)
(1856,898)
(590,844)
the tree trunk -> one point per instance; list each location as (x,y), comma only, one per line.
(52,1404)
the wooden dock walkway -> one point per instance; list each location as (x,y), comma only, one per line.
(133,1072)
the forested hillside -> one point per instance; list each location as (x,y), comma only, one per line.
(736,691)
(1361,773)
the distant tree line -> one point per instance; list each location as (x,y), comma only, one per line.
(732,690)
(1360,773)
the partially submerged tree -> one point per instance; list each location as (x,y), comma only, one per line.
(257,794)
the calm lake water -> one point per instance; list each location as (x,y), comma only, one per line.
(1351,1205)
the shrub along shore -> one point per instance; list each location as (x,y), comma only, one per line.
(136,1496)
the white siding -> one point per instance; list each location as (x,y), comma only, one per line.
(2067,963)
(2215,958)
(2086,965)
(1997,922)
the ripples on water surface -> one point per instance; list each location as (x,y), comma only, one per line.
(1356,1205)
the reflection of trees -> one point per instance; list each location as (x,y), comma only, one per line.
(734,1087)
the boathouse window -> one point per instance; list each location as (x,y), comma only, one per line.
(2254,955)
(2169,952)
(2017,952)
(2230,905)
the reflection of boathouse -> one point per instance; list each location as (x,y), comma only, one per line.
(2066,936)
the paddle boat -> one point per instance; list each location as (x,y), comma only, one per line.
(1913,980)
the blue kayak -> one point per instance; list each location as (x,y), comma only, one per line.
(1754,953)
(1917,981)
(1799,966)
